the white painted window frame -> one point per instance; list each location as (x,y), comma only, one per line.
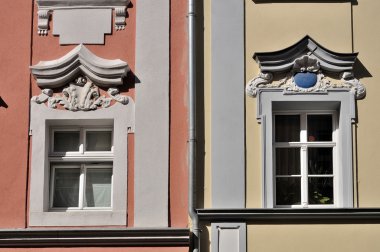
(340,100)
(82,185)
(43,119)
(303,144)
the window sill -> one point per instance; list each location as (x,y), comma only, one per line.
(272,214)
(78,218)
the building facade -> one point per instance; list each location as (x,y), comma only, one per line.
(94,126)
(291,124)
(184,125)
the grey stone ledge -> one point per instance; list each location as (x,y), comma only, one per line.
(94,237)
(51,4)
(270,214)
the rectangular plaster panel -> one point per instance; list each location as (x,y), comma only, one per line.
(228,237)
(87,26)
(152,114)
(227,103)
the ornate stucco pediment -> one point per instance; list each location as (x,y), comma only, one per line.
(80,73)
(306,67)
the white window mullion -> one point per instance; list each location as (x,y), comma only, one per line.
(81,141)
(303,139)
(304,186)
(82,180)
(52,183)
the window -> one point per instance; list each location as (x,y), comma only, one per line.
(304,156)
(307,149)
(79,166)
(78,181)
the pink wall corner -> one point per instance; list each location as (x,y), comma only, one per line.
(178,116)
(15,52)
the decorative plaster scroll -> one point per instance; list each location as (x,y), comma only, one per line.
(348,80)
(80,95)
(308,72)
(306,64)
(120,13)
(259,81)
(43,22)
(47,7)
(57,73)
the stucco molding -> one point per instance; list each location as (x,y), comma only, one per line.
(317,67)
(81,94)
(94,237)
(47,8)
(80,61)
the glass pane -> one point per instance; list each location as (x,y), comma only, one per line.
(287,128)
(66,187)
(98,187)
(320,160)
(288,161)
(288,191)
(66,141)
(98,140)
(321,190)
(319,128)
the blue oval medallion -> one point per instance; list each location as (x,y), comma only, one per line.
(305,80)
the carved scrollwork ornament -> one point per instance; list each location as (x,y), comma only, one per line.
(261,80)
(310,67)
(348,80)
(43,22)
(81,95)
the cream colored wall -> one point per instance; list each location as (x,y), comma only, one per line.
(275,26)
(367,42)
(313,238)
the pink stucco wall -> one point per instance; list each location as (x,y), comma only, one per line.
(15,41)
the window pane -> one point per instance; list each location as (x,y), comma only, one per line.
(98,187)
(321,190)
(288,161)
(320,160)
(288,191)
(66,141)
(66,187)
(319,128)
(287,128)
(98,140)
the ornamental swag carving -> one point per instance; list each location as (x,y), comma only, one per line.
(80,95)
(307,67)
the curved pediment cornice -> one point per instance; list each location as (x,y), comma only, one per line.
(306,67)
(80,61)
(282,60)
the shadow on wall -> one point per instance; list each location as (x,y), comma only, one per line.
(360,71)
(3,103)
(200,108)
